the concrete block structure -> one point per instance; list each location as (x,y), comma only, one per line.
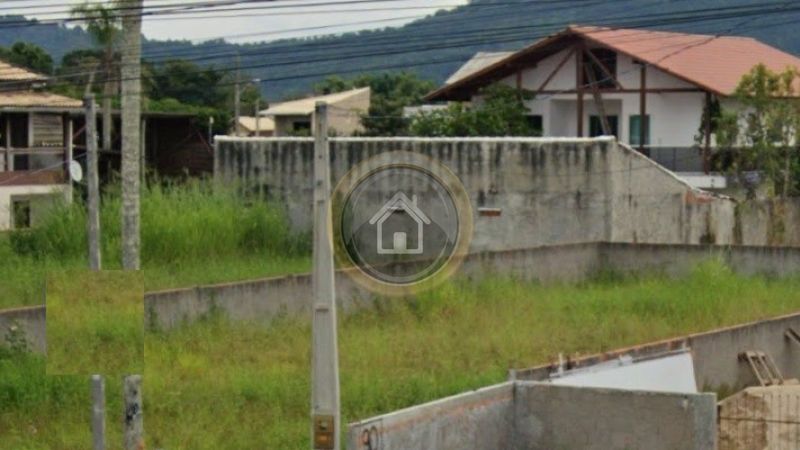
(530,415)
(545,191)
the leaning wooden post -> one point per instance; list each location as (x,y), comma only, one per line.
(98,413)
(325,357)
(93,184)
(133,432)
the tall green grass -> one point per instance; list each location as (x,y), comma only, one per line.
(191,233)
(220,385)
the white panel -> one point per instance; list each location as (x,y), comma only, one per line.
(673,373)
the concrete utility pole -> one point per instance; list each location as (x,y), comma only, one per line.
(93,184)
(98,413)
(237,97)
(324,353)
(134,416)
(131,131)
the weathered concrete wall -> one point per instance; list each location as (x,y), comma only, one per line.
(549,417)
(266,299)
(715,354)
(525,415)
(479,420)
(30,322)
(550,190)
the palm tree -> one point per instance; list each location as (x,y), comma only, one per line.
(104,27)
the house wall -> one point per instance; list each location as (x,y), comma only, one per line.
(674,116)
(284,125)
(41,197)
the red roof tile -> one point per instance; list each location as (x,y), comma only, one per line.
(716,63)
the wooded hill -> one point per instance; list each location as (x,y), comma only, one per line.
(436,45)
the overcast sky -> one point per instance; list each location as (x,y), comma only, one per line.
(284,18)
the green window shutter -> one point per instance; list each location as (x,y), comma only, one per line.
(635,124)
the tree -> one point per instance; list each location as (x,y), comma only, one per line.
(760,136)
(29,56)
(499,111)
(390,92)
(188,83)
(105,28)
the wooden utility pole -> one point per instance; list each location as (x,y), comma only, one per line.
(257,83)
(579,87)
(98,413)
(93,184)
(133,429)
(131,131)
(324,354)
(643,125)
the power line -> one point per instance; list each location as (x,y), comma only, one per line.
(505,38)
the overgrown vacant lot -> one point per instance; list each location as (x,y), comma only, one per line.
(95,322)
(191,234)
(220,385)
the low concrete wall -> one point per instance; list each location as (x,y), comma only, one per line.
(479,420)
(550,417)
(524,415)
(30,322)
(269,298)
(715,354)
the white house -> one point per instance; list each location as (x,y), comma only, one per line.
(34,148)
(588,81)
(344,113)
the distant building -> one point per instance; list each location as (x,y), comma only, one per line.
(345,109)
(41,132)
(249,126)
(647,88)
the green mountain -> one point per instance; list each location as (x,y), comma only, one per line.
(436,45)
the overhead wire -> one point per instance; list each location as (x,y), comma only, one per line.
(502,34)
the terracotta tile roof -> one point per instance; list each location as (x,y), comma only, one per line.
(9,72)
(714,63)
(34,99)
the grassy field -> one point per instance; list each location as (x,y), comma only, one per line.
(217,385)
(95,322)
(191,234)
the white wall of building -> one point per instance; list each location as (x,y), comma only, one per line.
(674,116)
(41,198)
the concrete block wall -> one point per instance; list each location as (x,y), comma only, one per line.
(551,417)
(482,419)
(30,322)
(269,298)
(550,190)
(715,353)
(542,416)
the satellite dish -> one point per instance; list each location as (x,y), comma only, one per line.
(75,171)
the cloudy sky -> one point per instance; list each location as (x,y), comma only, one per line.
(263,21)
